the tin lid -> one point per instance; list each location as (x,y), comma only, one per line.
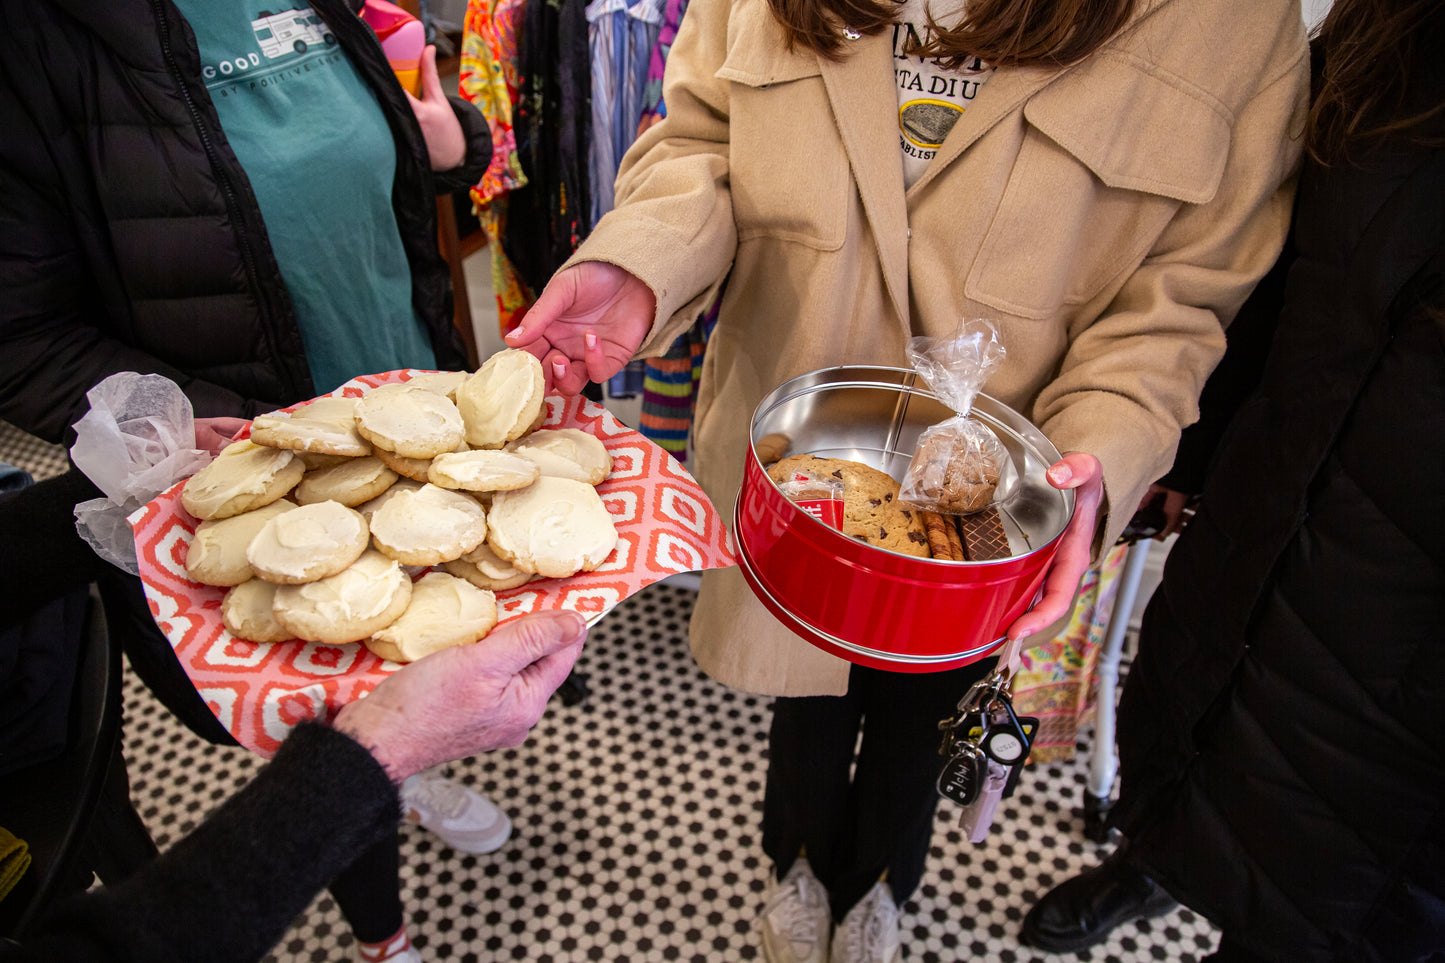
(874,415)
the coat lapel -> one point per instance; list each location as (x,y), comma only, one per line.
(997,99)
(865,105)
(1002,95)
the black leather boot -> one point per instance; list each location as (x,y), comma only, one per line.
(1082,911)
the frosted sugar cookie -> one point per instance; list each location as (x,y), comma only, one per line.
(352,482)
(555,527)
(428,526)
(326,425)
(413,468)
(362,598)
(309,543)
(486,569)
(369,508)
(444,383)
(503,400)
(444,611)
(247,613)
(565,453)
(409,420)
(317,460)
(217,554)
(482,470)
(242,477)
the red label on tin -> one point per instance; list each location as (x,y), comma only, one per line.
(829,511)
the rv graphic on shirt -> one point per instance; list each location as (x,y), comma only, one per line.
(289,30)
(250,50)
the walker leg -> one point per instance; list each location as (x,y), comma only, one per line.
(1098,795)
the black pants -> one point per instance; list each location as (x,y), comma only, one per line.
(1232,952)
(880,819)
(368,892)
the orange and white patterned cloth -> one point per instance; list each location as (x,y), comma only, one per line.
(260,691)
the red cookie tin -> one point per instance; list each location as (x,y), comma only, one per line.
(869,605)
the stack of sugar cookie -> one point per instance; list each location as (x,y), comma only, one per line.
(318,522)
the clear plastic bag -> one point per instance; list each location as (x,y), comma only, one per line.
(137,440)
(957,466)
(819,495)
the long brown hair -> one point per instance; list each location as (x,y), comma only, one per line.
(1001,33)
(1370,50)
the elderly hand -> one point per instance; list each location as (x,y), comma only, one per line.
(1084,474)
(446,145)
(467,699)
(587,324)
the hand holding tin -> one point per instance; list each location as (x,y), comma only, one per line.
(1082,473)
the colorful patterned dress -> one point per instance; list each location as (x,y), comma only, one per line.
(489,79)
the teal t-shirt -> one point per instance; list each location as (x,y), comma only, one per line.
(320,157)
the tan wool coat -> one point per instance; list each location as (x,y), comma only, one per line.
(1109,217)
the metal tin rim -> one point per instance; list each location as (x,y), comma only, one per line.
(909,380)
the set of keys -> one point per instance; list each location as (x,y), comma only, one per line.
(984,745)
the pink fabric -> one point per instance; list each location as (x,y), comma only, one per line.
(260,691)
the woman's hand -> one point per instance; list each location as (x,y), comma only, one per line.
(587,324)
(446,145)
(213,434)
(1084,474)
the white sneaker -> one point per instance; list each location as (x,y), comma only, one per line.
(465,820)
(796,921)
(869,933)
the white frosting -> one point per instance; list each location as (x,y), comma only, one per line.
(444,610)
(218,549)
(565,453)
(429,519)
(300,542)
(554,527)
(490,564)
(483,470)
(442,382)
(237,472)
(348,606)
(410,420)
(246,611)
(359,592)
(349,482)
(368,509)
(326,424)
(502,398)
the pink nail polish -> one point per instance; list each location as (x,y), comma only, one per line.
(559,368)
(590,338)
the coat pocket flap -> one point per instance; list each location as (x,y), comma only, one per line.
(757,55)
(1186,159)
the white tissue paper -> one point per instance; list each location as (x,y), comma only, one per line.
(137,440)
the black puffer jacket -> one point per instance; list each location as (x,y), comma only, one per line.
(130,239)
(1281,730)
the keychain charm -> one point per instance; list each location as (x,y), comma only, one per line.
(984,743)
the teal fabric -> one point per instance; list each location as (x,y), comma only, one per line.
(320,157)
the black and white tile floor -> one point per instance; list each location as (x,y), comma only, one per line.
(636,819)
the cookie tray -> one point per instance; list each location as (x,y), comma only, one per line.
(259,691)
